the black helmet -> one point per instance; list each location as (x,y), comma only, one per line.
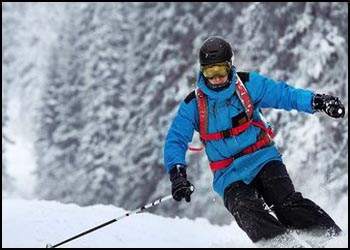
(215,50)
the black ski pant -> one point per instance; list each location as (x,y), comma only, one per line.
(273,186)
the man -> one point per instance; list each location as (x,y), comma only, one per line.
(248,169)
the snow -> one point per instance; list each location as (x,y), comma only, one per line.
(35,223)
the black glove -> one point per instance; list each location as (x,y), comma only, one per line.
(180,186)
(329,104)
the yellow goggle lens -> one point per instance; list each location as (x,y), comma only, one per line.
(219,69)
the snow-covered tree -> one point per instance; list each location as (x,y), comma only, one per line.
(103,108)
(60,120)
(88,74)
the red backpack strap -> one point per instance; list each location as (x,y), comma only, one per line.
(244,97)
(262,142)
(202,103)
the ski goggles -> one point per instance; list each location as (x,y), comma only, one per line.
(217,69)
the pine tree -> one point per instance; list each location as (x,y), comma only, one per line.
(103,105)
(87,84)
(60,121)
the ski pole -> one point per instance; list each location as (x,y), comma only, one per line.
(139,210)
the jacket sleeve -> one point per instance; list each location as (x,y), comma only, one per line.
(267,93)
(180,134)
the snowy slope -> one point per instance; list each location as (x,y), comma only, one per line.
(36,223)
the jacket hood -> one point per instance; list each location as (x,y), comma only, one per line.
(223,94)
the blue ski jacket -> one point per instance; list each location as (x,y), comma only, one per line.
(222,107)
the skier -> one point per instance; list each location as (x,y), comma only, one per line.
(248,171)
